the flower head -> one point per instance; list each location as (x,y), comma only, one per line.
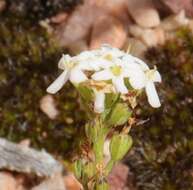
(110,67)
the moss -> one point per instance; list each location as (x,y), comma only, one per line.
(28,64)
(40,9)
(169,133)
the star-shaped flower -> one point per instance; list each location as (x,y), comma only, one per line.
(116,73)
(72,71)
(140,76)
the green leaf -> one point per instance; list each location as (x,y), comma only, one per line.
(85,92)
(102,186)
(119,146)
(110,100)
(89,170)
(93,131)
(119,115)
(77,167)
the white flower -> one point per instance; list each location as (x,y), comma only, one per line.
(104,64)
(92,60)
(72,71)
(107,50)
(116,73)
(143,77)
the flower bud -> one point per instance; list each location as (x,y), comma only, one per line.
(120,115)
(119,146)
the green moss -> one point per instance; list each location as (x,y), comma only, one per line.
(169,132)
(38,9)
(28,64)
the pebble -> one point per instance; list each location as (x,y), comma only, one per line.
(109,30)
(138,48)
(174,22)
(47,105)
(150,37)
(144,13)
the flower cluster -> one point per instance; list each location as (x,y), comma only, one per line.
(110,67)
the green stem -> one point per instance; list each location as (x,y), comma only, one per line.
(98,149)
(109,167)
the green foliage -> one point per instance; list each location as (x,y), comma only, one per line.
(163,152)
(77,168)
(28,64)
(102,186)
(38,9)
(119,115)
(119,146)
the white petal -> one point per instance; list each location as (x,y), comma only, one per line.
(77,76)
(143,65)
(152,95)
(115,52)
(128,59)
(102,75)
(58,83)
(126,72)
(86,65)
(63,60)
(99,101)
(137,79)
(95,64)
(84,55)
(118,82)
(104,64)
(157,77)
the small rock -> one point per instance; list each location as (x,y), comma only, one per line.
(175,6)
(138,48)
(108,29)
(59,182)
(72,183)
(25,142)
(151,37)
(59,18)
(2,5)
(160,35)
(78,25)
(7,181)
(79,46)
(118,177)
(174,22)
(136,30)
(117,8)
(144,13)
(47,105)
(54,183)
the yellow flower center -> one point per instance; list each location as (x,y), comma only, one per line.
(108,57)
(69,64)
(116,70)
(150,74)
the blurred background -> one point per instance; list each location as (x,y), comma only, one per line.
(33,36)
